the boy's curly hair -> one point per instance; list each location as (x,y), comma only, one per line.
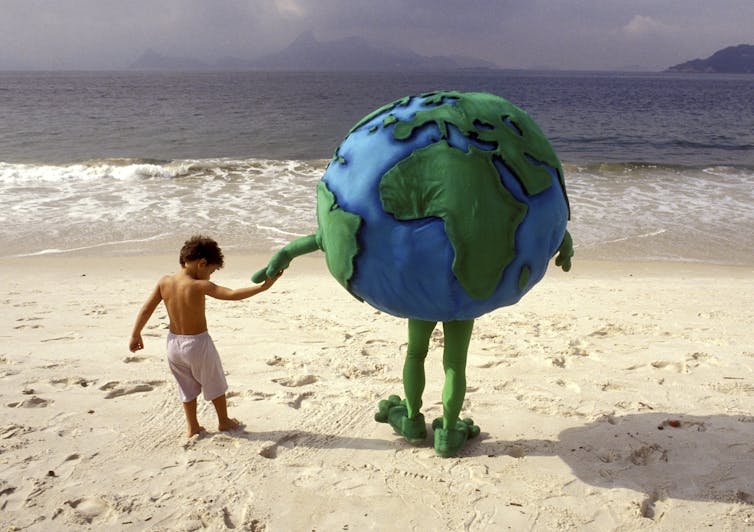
(201,247)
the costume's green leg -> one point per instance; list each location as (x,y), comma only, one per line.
(405,416)
(419,333)
(450,432)
(457,338)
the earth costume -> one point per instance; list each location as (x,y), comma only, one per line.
(439,207)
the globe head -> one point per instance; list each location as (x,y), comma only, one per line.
(442,206)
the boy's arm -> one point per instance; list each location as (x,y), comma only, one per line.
(142,318)
(229,294)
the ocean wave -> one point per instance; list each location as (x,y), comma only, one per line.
(118,205)
(139,169)
(653,170)
(124,205)
(222,168)
(87,171)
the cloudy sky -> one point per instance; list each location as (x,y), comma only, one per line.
(563,34)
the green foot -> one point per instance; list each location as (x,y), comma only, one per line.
(449,441)
(394,411)
(384,406)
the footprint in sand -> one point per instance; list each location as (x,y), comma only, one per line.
(698,358)
(568,385)
(273,450)
(5,489)
(648,454)
(86,510)
(116,389)
(609,330)
(132,359)
(69,336)
(9,431)
(258,396)
(29,326)
(362,370)
(492,363)
(296,381)
(578,347)
(31,402)
(67,381)
(296,401)
(678,367)
(275,361)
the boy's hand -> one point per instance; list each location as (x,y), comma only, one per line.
(269,281)
(136,343)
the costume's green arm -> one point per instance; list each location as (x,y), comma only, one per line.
(281,259)
(565,252)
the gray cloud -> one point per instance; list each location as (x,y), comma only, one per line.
(568,34)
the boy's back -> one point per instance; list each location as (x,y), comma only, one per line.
(184,299)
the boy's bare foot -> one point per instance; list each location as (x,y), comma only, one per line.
(229,424)
(223,421)
(194,431)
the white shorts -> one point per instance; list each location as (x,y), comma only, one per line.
(195,364)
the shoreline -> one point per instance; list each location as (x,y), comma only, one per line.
(614,396)
(315,263)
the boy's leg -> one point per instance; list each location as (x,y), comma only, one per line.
(189,408)
(223,421)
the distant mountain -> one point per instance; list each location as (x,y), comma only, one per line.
(354,53)
(732,60)
(307,53)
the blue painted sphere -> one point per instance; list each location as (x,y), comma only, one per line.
(405,265)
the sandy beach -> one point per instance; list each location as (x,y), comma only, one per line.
(615,397)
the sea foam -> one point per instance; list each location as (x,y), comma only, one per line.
(629,211)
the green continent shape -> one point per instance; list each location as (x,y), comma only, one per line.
(464,189)
(377,112)
(336,235)
(494,120)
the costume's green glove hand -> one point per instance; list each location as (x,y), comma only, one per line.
(279,262)
(565,252)
(282,259)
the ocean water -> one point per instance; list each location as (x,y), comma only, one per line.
(657,166)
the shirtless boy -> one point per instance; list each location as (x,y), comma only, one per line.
(192,356)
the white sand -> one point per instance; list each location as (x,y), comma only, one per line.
(615,397)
